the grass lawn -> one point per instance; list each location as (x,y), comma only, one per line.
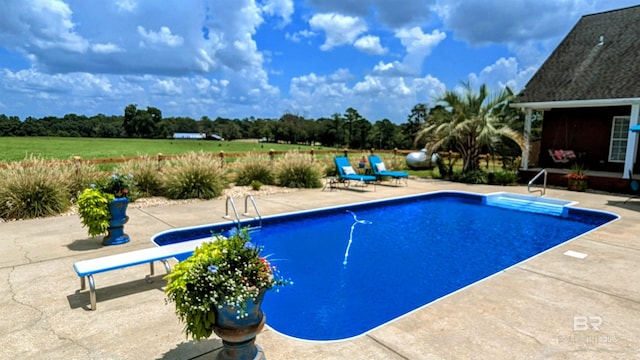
(58,148)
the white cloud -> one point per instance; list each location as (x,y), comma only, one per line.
(370,45)
(504,72)
(166,87)
(298,36)
(162,37)
(338,29)
(105,48)
(126,5)
(418,45)
(394,14)
(282,8)
(377,96)
(43,25)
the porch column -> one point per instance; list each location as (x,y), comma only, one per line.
(632,141)
(526,139)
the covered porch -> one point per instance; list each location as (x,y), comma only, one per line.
(627,147)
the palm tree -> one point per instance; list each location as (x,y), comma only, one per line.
(469,123)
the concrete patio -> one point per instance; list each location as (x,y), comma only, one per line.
(552,306)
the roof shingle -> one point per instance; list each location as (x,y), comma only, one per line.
(598,59)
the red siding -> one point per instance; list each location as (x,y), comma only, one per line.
(586,131)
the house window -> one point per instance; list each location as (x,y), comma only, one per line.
(619,133)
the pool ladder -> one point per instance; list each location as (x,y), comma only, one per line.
(245,213)
(544,183)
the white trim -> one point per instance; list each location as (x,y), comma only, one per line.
(632,141)
(527,140)
(611,139)
(576,103)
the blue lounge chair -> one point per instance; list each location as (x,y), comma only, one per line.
(345,173)
(379,170)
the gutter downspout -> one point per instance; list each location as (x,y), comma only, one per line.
(632,141)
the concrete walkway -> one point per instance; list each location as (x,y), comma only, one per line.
(547,307)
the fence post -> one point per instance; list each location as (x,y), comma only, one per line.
(272,154)
(76,163)
(346,152)
(160,161)
(221,159)
(312,156)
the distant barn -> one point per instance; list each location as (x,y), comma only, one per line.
(189,136)
(196,136)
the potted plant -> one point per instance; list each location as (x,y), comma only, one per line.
(577,178)
(220,289)
(102,208)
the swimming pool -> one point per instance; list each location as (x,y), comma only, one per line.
(359,266)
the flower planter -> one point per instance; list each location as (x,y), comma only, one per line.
(118,211)
(239,335)
(577,184)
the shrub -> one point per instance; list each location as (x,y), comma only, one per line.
(93,202)
(147,176)
(298,170)
(194,176)
(255,167)
(503,178)
(27,190)
(93,209)
(256,185)
(470,177)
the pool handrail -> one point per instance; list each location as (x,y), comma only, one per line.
(235,210)
(544,184)
(255,207)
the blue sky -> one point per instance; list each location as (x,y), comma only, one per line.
(241,58)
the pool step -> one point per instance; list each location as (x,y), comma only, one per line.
(530,205)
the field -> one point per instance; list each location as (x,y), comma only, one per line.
(57,148)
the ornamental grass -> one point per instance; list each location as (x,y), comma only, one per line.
(255,167)
(147,173)
(194,176)
(298,170)
(34,188)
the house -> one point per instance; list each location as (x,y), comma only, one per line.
(589,92)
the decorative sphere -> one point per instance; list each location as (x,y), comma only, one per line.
(418,160)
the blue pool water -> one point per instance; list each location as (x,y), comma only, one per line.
(403,253)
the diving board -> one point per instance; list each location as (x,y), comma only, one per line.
(88,268)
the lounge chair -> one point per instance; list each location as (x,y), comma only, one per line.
(346,173)
(379,170)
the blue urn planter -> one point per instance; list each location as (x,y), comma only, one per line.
(115,232)
(239,335)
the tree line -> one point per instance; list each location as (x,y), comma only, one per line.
(349,130)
